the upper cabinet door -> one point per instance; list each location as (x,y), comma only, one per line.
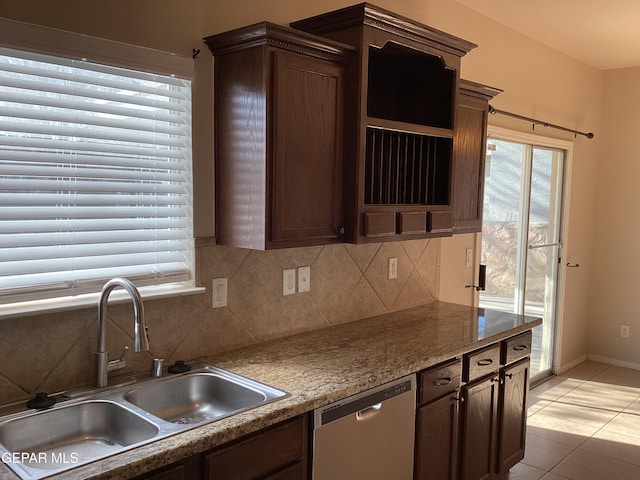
(469,155)
(307,149)
(279,147)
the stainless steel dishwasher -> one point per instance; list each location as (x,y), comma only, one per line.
(367,436)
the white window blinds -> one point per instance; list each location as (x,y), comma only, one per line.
(95,167)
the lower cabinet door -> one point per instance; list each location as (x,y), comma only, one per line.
(513,415)
(437,439)
(479,410)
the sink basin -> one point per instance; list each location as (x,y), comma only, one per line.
(200,397)
(70,435)
(37,444)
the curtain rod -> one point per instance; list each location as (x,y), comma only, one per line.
(538,122)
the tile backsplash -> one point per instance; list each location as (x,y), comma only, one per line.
(53,352)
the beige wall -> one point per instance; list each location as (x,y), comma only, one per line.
(53,351)
(616,282)
(540,83)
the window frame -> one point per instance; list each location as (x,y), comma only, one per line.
(49,41)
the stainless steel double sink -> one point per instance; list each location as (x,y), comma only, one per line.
(36,444)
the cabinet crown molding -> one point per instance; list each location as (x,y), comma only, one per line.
(271,34)
(376,17)
(473,89)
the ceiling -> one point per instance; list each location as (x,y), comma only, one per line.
(604,34)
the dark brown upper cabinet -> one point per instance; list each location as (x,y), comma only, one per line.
(279,97)
(401,122)
(469,152)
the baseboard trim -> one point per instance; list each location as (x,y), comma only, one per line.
(614,361)
(571,364)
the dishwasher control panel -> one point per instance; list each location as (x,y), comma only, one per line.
(361,401)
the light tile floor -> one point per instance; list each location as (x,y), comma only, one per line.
(584,425)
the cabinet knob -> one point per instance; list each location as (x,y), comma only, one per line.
(509,375)
(341,230)
(485,362)
(520,348)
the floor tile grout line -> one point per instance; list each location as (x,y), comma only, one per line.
(592,407)
(558,401)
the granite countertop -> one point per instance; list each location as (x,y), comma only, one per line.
(317,368)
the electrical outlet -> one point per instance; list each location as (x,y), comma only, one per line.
(218,292)
(393,268)
(624,331)
(289,281)
(304,279)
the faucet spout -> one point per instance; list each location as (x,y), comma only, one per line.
(140,339)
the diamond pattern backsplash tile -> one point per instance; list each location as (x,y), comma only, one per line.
(54,352)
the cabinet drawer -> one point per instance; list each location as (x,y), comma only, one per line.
(261,454)
(439,221)
(412,222)
(481,362)
(517,347)
(379,224)
(185,470)
(438,381)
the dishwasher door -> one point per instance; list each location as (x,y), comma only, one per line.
(369,436)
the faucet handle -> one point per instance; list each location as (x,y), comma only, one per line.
(124,351)
(119,364)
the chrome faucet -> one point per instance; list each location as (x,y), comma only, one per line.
(140,339)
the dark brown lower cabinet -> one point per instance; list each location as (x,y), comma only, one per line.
(478,421)
(188,469)
(513,415)
(474,430)
(437,439)
(493,422)
(436,451)
(275,453)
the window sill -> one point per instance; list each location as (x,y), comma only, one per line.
(52,305)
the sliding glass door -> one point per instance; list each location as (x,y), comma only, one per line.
(521,237)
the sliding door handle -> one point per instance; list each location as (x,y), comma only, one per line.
(482,279)
(545,245)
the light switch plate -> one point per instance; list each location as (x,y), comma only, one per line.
(304,279)
(218,292)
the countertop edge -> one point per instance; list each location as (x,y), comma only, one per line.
(249,361)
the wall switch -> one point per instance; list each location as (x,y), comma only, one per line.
(624,331)
(304,279)
(393,268)
(289,281)
(468,257)
(218,292)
